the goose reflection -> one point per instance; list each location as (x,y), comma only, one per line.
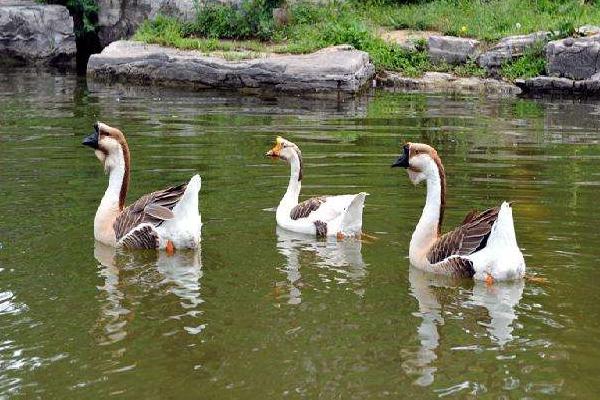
(125,274)
(341,260)
(438,295)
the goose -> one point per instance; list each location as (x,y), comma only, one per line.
(323,216)
(484,247)
(165,219)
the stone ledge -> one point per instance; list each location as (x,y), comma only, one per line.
(335,69)
(447,83)
(543,85)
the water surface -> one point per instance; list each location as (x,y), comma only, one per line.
(261,313)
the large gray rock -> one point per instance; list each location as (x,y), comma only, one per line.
(574,58)
(439,82)
(119,19)
(36,33)
(508,49)
(338,69)
(451,49)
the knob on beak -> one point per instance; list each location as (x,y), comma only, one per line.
(91,140)
(402,161)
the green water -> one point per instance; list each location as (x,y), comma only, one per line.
(263,314)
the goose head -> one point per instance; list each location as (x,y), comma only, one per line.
(284,150)
(289,152)
(109,145)
(420,160)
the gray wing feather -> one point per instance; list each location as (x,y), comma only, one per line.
(465,239)
(142,237)
(303,210)
(459,267)
(137,213)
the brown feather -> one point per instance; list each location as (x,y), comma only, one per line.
(303,210)
(136,213)
(466,238)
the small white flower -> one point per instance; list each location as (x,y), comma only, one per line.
(518,25)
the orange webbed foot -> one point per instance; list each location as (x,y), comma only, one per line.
(489,280)
(170,248)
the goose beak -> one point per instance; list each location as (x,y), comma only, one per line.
(91,140)
(274,152)
(402,161)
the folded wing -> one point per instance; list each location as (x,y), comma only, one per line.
(150,211)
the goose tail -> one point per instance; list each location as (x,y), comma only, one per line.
(501,258)
(352,219)
(188,205)
(503,231)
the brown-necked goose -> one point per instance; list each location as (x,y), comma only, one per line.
(484,246)
(166,218)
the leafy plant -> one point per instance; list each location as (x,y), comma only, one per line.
(531,64)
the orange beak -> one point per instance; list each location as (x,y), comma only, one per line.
(274,152)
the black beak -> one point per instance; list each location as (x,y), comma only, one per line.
(92,140)
(402,161)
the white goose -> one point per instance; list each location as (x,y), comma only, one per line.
(165,219)
(484,246)
(339,216)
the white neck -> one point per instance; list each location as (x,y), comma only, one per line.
(290,198)
(109,206)
(426,231)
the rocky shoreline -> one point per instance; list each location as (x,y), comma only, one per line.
(41,34)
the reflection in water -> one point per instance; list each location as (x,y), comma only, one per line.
(342,258)
(180,274)
(437,294)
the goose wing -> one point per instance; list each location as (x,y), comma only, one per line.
(151,210)
(466,239)
(304,209)
(322,208)
(143,236)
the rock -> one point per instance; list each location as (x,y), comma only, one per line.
(560,86)
(281,16)
(588,30)
(452,50)
(447,83)
(408,39)
(508,49)
(335,69)
(36,34)
(573,58)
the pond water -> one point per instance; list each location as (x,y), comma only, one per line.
(259,313)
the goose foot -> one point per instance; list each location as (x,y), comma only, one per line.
(170,248)
(536,279)
(489,280)
(366,238)
(340,236)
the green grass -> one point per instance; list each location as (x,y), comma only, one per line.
(172,33)
(359,24)
(531,64)
(487,20)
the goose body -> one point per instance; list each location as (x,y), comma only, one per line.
(483,247)
(339,216)
(167,218)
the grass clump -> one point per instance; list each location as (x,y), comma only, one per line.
(530,65)
(172,33)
